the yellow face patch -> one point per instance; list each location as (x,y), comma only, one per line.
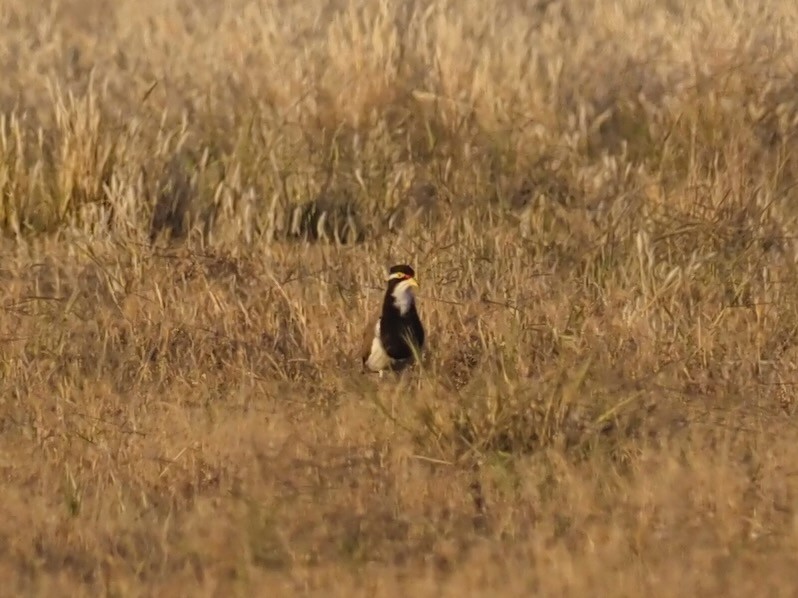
(402,276)
(397,276)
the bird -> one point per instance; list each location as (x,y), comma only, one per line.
(388,337)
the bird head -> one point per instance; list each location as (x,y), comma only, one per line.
(402,284)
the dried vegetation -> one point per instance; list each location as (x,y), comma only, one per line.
(198,201)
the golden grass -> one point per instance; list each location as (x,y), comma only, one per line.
(599,200)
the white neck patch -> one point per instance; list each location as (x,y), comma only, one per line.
(403,296)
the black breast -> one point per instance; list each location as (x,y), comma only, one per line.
(395,329)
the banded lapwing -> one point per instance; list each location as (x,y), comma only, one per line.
(396,336)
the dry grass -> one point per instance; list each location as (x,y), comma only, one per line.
(199,200)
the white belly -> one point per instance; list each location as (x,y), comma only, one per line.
(378,359)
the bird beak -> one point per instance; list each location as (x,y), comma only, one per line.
(413,282)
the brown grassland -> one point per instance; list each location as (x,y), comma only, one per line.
(198,204)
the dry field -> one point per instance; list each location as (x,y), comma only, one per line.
(198,204)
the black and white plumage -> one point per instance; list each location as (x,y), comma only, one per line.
(387,340)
